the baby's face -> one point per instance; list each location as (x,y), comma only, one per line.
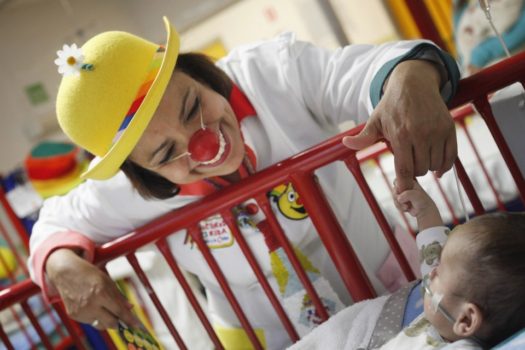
(444,282)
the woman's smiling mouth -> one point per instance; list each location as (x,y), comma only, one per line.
(222,153)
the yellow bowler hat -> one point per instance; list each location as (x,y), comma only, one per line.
(110,91)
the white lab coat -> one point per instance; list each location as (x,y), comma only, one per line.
(301,94)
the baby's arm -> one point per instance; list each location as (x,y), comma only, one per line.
(418,203)
(432,234)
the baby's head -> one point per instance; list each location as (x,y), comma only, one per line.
(481,280)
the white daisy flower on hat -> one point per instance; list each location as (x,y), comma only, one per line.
(70,60)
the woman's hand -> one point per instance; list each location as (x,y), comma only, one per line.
(415,120)
(89,295)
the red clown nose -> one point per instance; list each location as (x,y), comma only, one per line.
(204,145)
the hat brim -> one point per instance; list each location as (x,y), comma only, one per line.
(107,166)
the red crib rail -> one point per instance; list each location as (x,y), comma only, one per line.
(298,169)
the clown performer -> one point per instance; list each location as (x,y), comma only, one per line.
(169,128)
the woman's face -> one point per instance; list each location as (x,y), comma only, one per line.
(177,118)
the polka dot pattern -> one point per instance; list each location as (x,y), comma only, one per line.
(390,320)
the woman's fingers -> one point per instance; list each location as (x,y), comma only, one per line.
(119,306)
(437,154)
(451,151)
(416,121)
(103,319)
(422,154)
(404,164)
(88,293)
(367,137)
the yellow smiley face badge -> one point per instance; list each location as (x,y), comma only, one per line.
(288,201)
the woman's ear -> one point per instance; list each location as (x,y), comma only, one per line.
(468,321)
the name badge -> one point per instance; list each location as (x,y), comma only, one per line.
(216,233)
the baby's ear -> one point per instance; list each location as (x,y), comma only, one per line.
(468,321)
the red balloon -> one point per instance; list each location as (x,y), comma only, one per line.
(204,145)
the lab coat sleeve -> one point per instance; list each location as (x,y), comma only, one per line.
(285,77)
(94,213)
(346,84)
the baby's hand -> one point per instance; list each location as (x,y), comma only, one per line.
(415,201)
(419,204)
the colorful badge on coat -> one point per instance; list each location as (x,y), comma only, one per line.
(288,201)
(216,233)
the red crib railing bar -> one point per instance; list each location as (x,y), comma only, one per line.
(316,157)
(455,219)
(65,344)
(483,107)
(195,233)
(469,188)
(391,189)
(339,248)
(170,259)
(53,318)
(22,233)
(22,291)
(5,339)
(277,230)
(29,313)
(17,292)
(353,165)
(22,326)
(14,312)
(259,274)
(107,339)
(499,202)
(490,79)
(133,261)
(71,327)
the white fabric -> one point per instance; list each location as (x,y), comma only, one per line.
(348,330)
(290,84)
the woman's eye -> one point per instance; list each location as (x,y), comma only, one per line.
(168,155)
(194,109)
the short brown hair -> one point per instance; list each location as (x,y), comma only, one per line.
(495,273)
(201,68)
